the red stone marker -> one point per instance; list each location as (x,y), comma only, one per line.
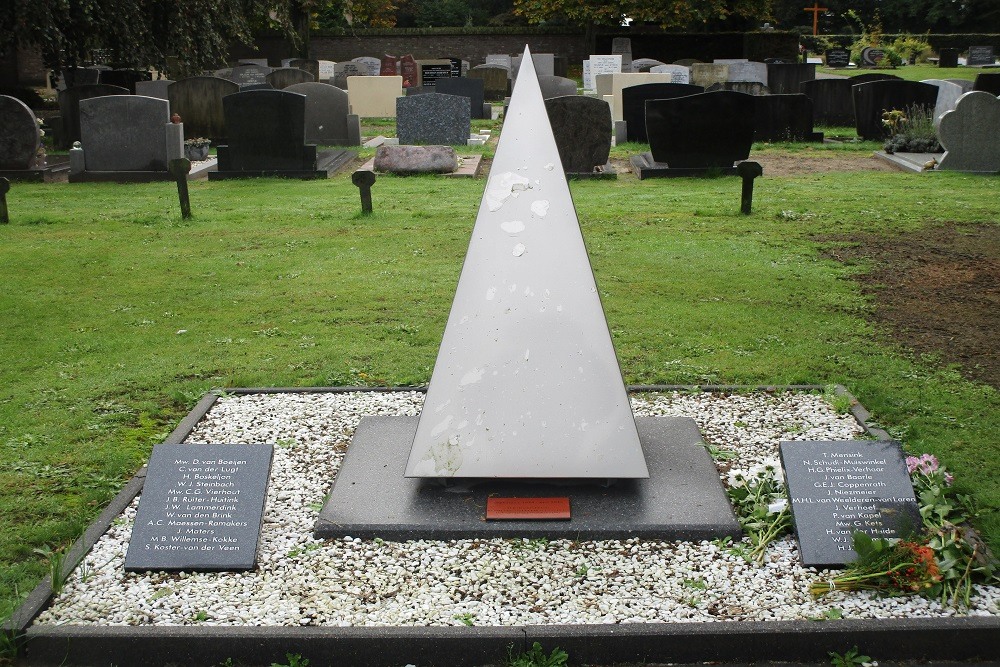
(507,509)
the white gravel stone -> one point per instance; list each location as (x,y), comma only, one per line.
(349,582)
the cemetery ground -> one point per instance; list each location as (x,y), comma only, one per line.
(119,314)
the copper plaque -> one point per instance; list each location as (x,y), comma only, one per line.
(507,509)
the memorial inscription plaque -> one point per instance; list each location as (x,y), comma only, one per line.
(538,509)
(839,488)
(201,508)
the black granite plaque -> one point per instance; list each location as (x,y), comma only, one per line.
(838,58)
(839,488)
(870,56)
(201,508)
(430,74)
(979,56)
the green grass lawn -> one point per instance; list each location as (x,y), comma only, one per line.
(118,315)
(917,72)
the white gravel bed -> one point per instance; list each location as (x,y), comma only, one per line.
(301,581)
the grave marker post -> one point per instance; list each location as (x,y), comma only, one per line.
(364,179)
(748,171)
(179,169)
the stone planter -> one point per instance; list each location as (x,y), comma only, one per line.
(196,153)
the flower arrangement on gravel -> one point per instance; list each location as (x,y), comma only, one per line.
(761,505)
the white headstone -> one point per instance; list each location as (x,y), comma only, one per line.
(678,73)
(501,59)
(327,68)
(526,382)
(588,78)
(948,94)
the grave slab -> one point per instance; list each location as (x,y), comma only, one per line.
(683,497)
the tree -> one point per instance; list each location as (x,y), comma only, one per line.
(665,13)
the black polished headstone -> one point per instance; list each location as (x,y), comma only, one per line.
(431,74)
(582,130)
(784,118)
(838,58)
(634,100)
(948,58)
(69,108)
(701,131)
(833,103)
(201,508)
(872,99)
(839,488)
(872,76)
(871,56)
(465,87)
(198,100)
(987,82)
(979,56)
(266,133)
(785,78)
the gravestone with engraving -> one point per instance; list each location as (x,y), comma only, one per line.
(501,59)
(872,99)
(433,118)
(250,75)
(979,56)
(374,65)
(327,68)
(678,73)
(69,108)
(839,488)
(623,46)
(198,100)
(409,70)
(581,127)
(838,58)
(342,70)
(389,66)
(20,138)
(604,64)
(201,508)
(328,121)
(833,103)
(467,87)
(871,56)
(634,100)
(431,71)
(646,64)
(284,77)
(969,135)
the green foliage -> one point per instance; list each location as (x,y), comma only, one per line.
(536,657)
(294,660)
(665,13)
(911,130)
(851,658)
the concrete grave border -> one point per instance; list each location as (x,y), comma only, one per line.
(948,639)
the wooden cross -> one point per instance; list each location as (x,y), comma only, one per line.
(815,9)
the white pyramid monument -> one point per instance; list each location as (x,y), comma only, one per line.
(526,383)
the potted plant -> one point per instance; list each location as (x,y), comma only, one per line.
(196,149)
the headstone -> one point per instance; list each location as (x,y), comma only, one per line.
(979,56)
(501,59)
(69,108)
(405,159)
(458,67)
(871,56)
(560,65)
(124,78)
(730,61)
(947,97)
(342,70)
(307,65)
(784,118)
(198,100)
(409,70)
(374,65)
(581,127)
(604,64)
(627,80)
(526,383)
(250,75)
(948,58)
(678,73)
(433,119)
(156,88)
(494,78)
(327,70)
(969,134)
(838,58)
(288,76)
(604,85)
(838,488)
(588,77)
(389,66)
(466,87)
(328,121)
(374,96)
(708,130)
(125,133)
(81,76)
(873,76)
(965,84)
(687,62)
(872,99)
(556,86)
(201,508)
(433,70)
(634,100)
(544,64)
(646,64)
(259,62)
(783,79)
(265,133)
(709,74)
(20,138)
(989,83)
(833,103)
(749,72)
(623,46)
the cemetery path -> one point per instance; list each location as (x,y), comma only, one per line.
(935,291)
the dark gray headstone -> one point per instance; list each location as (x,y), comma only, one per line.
(434,119)
(327,115)
(785,78)
(156,88)
(307,64)
(250,75)
(582,130)
(873,76)
(465,87)
(495,80)
(201,508)
(125,78)
(839,488)
(634,100)
(989,83)
(871,56)
(979,56)
(69,108)
(556,86)
(19,135)
(701,131)
(872,99)
(838,58)
(265,133)
(81,76)
(833,103)
(198,100)
(124,133)
(784,118)
(284,77)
